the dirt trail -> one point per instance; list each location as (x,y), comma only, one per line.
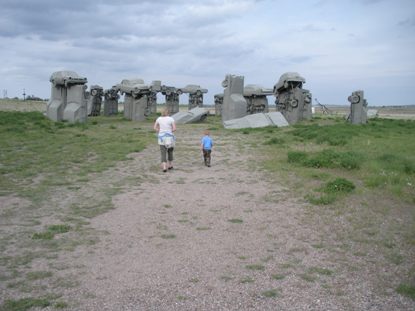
(219,238)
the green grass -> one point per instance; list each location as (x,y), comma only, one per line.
(33,146)
(380,155)
(24,304)
(246,280)
(339,185)
(168,236)
(236,220)
(278,276)
(321,271)
(51,231)
(38,275)
(326,158)
(406,290)
(272,293)
(255,267)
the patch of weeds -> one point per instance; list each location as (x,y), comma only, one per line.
(181,298)
(274,141)
(226,278)
(203,228)
(360,254)
(242,257)
(395,162)
(246,280)
(255,267)
(297,250)
(395,258)
(324,199)
(194,280)
(318,246)
(287,265)
(406,290)
(326,158)
(339,185)
(278,276)
(236,220)
(331,190)
(308,277)
(268,258)
(296,157)
(321,271)
(167,206)
(350,160)
(43,235)
(168,236)
(66,283)
(38,275)
(60,305)
(272,293)
(51,231)
(25,304)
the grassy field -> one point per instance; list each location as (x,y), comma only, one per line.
(359,178)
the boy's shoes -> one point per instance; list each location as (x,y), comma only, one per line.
(208,165)
(164,171)
(171,167)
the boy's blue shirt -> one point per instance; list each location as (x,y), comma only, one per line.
(207,142)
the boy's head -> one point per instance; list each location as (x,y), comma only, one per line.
(206,132)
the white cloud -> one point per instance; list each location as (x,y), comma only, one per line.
(336,46)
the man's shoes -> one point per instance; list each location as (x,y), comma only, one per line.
(171,167)
(164,171)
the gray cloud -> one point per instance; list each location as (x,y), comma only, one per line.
(197,42)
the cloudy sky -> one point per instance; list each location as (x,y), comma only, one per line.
(338,46)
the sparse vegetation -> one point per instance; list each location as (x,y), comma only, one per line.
(236,220)
(406,290)
(25,304)
(272,293)
(257,267)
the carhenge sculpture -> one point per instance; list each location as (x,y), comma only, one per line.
(292,100)
(152,97)
(135,98)
(358,108)
(234,104)
(195,95)
(172,98)
(256,98)
(95,100)
(68,99)
(111,101)
(218,98)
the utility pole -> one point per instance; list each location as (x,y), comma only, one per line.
(4,93)
(24,94)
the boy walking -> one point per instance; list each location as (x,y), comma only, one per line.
(206,147)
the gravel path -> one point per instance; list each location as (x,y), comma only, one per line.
(219,238)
